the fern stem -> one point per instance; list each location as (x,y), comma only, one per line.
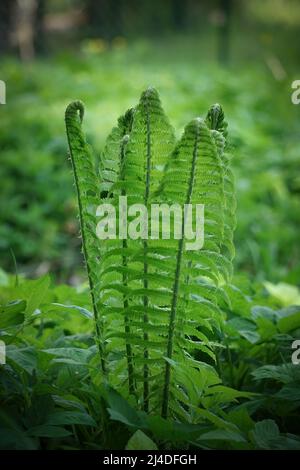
(77,145)
(145,245)
(166,390)
(129,353)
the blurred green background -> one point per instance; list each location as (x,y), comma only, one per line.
(243,54)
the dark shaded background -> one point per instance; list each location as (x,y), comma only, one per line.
(34,27)
(244,54)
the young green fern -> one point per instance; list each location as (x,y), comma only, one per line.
(196,168)
(157,305)
(87,194)
(215,121)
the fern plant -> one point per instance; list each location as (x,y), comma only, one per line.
(158,307)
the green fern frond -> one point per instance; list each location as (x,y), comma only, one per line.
(145,152)
(86,183)
(110,166)
(216,121)
(196,168)
(157,305)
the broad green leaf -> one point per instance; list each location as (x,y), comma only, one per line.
(260,311)
(62,418)
(83,311)
(284,293)
(34,293)
(240,417)
(120,410)
(167,430)
(266,328)
(245,327)
(12,314)
(4,280)
(216,420)
(221,394)
(222,435)
(287,442)
(139,441)
(239,302)
(12,435)
(264,431)
(71,355)
(289,323)
(289,392)
(23,357)
(283,373)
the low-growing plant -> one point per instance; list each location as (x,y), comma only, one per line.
(157,306)
(186,354)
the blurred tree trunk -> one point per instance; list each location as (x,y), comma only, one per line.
(24,28)
(179,13)
(6,10)
(105,18)
(224,30)
(39,30)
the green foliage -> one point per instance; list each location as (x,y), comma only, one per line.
(38,207)
(240,390)
(139,441)
(153,299)
(53,396)
(87,191)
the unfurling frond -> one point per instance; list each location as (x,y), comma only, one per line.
(158,305)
